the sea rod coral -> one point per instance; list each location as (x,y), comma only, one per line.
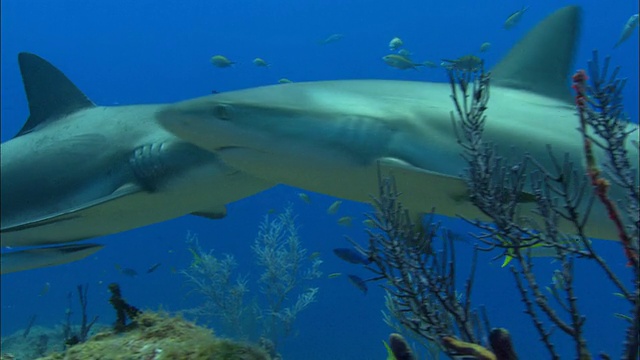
(420,268)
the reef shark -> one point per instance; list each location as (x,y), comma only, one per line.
(76,171)
(330,136)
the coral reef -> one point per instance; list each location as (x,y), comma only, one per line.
(40,342)
(158,336)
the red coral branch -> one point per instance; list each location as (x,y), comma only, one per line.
(600,184)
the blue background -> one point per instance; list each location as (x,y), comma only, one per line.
(131,52)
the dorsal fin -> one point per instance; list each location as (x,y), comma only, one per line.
(49,92)
(542,60)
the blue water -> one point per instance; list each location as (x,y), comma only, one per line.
(131,52)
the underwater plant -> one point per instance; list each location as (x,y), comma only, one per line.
(282,257)
(286,270)
(418,263)
(560,193)
(224,296)
(70,337)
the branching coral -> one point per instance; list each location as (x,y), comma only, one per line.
(280,254)
(85,326)
(224,295)
(418,265)
(286,273)
(420,274)
(561,194)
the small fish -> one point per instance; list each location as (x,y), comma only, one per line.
(369,223)
(405,53)
(485,46)
(400,62)
(430,64)
(129,272)
(345,221)
(624,317)
(627,30)
(260,62)
(558,280)
(314,255)
(221,61)
(515,18)
(541,250)
(45,289)
(126,271)
(284,81)
(390,354)
(334,207)
(331,39)
(351,256)
(395,44)
(359,283)
(153,267)
(463,63)
(304,197)
(334,275)
(620,295)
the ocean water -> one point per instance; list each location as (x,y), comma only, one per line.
(134,52)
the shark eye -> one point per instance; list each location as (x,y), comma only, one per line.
(223,111)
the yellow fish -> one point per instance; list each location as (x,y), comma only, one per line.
(400,62)
(334,207)
(45,289)
(260,62)
(345,221)
(537,250)
(395,43)
(331,39)
(221,61)
(514,18)
(369,223)
(304,197)
(334,275)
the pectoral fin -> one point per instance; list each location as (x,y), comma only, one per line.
(74,212)
(43,257)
